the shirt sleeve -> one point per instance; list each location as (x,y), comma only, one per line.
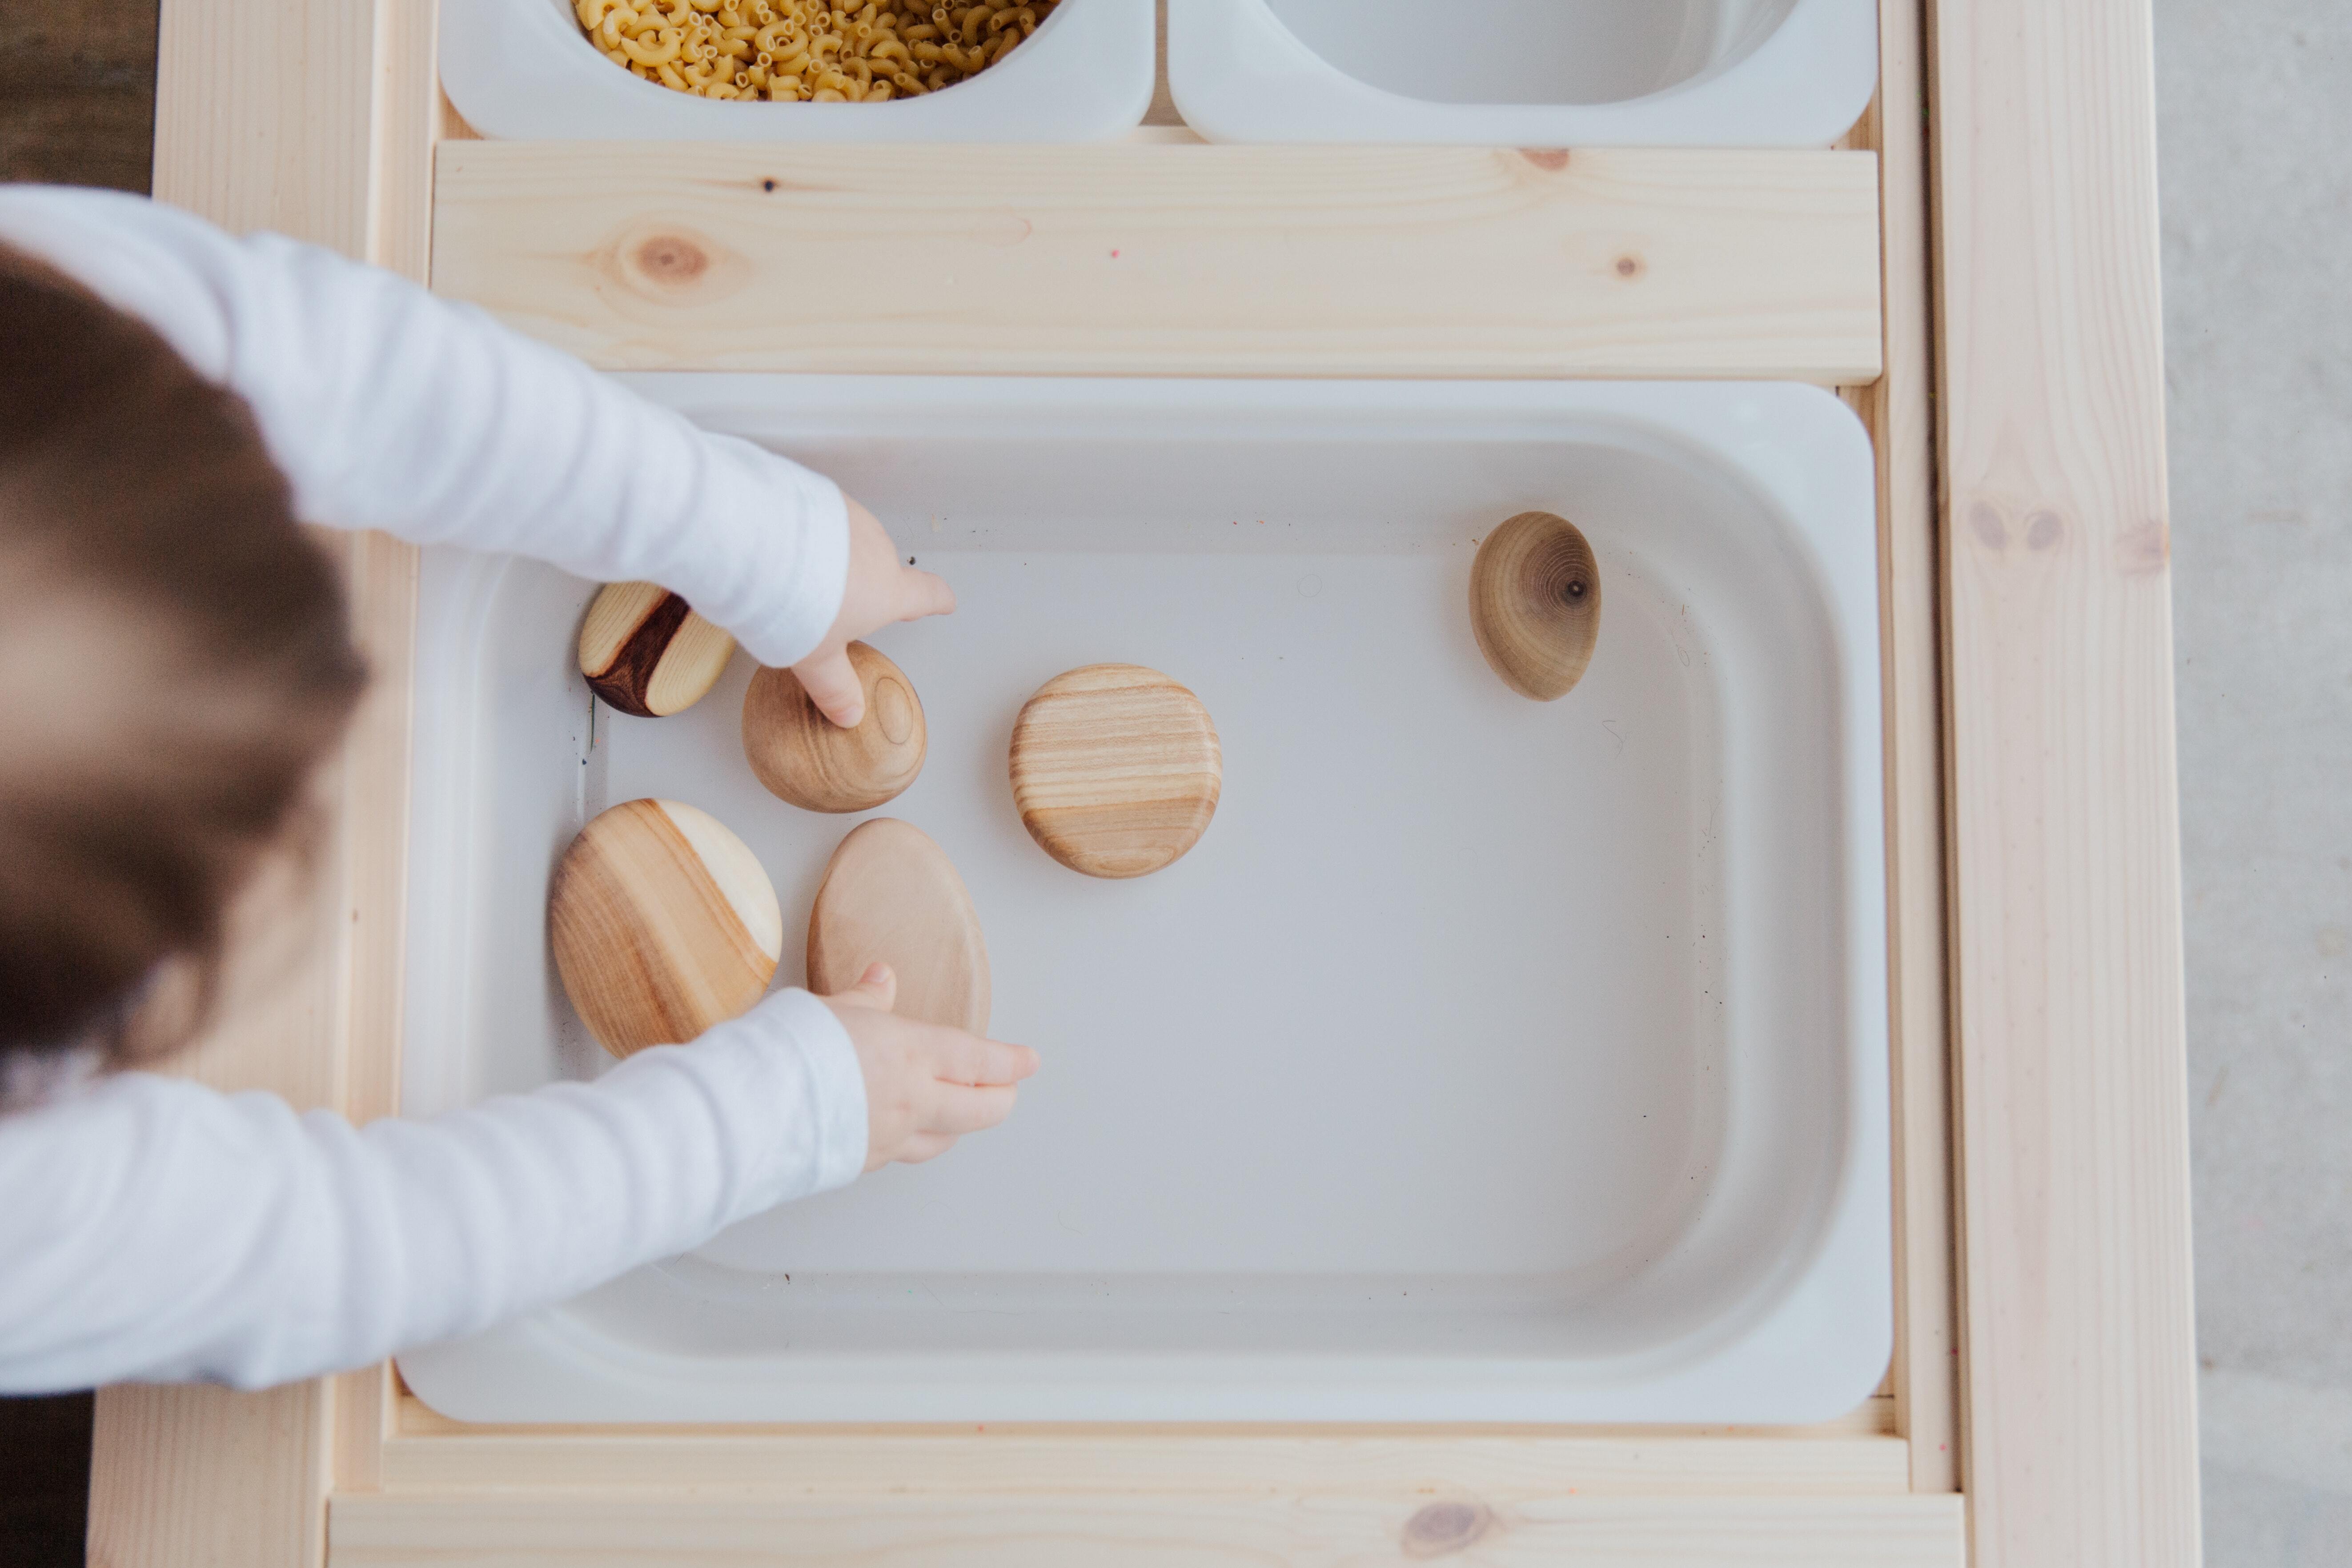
(389,408)
(158,1230)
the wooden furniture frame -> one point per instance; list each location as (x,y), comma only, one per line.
(1977,271)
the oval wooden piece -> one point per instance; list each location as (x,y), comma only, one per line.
(646,653)
(664,923)
(1535,603)
(892,895)
(807,759)
(1115,769)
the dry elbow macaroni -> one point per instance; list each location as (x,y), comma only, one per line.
(788,51)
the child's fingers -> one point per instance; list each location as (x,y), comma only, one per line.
(877,988)
(921,594)
(834,686)
(959,1108)
(968,1058)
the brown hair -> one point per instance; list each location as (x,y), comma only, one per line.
(174,660)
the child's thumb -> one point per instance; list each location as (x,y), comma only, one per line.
(877,988)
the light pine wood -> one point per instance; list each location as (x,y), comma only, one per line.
(1147,259)
(643,650)
(806,759)
(1115,769)
(891,896)
(2080,1348)
(1897,408)
(1535,603)
(1049,1531)
(663,923)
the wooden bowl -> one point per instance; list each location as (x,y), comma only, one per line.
(663,923)
(892,895)
(1535,603)
(807,759)
(1115,769)
(646,653)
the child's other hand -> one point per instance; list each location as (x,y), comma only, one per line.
(882,589)
(926,1084)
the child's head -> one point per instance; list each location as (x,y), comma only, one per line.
(174,661)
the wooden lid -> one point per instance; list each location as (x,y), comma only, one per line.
(892,895)
(664,923)
(1115,769)
(805,758)
(646,653)
(1535,603)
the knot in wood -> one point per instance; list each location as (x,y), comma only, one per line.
(1442,1529)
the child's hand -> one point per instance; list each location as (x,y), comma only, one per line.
(926,1084)
(882,589)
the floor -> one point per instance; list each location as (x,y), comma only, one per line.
(2255,121)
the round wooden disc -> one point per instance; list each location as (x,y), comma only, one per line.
(1535,603)
(646,653)
(892,895)
(1115,769)
(807,759)
(664,923)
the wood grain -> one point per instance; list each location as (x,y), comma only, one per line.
(1173,260)
(805,758)
(663,923)
(1115,769)
(891,896)
(643,650)
(1535,603)
(1047,1531)
(2080,1344)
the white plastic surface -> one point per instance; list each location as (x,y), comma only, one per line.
(1485,1061)
(521,69)
(1525,73)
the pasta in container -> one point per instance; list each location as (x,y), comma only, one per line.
(792,51)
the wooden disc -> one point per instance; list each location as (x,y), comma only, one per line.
(807,759)
(1535,603)
(1115,769)
(892,895)
(646,653)
(664,923)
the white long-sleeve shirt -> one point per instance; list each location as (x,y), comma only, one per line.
(153,1228)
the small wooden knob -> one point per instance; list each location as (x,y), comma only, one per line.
(1535,603)
(646,653)
(892,895)
(807,759)
(1115,769)
(664,923)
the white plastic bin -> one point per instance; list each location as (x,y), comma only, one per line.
(1486,1060)
(1525,73)
(521,69)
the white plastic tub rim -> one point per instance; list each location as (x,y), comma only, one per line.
(1525,73)
(1735,525)
(521,69)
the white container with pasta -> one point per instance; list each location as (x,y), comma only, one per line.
(1485,1061)
(1525,73)
(526,69)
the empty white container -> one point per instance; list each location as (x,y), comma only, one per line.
(1486,1060)
(521,69)
(1525,73)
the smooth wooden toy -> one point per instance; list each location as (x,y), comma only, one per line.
(807,759)
(664,923)
(646,653)
(893,896)
(1535,603)
(1115,769)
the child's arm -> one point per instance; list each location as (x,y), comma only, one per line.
(389,408)
(160,1230)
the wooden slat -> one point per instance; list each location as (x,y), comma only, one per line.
(1897,407)
(2079,1407)
(1139,1532)
(1139,257)
(312,117)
